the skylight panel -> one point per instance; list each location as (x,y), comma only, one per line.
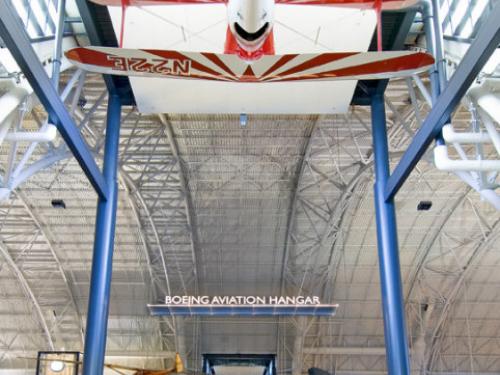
(467,30)
(444,10)
(52,10)
(477,11)
(461,18)
(457,16)
(25,18)
(38,16)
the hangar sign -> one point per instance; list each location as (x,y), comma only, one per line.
(242,300)
(186,305)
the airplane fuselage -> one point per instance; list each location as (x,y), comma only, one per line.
(250,25)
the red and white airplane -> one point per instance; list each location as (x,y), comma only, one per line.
(249,50)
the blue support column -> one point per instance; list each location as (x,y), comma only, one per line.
(100,282)
(396,342)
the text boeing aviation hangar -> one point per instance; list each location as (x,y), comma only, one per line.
(249,50)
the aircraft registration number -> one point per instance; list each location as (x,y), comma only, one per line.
(156,66)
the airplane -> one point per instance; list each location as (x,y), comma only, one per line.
(249,50)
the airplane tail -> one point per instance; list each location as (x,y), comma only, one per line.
(268,69)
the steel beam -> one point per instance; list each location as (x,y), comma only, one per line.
(137,193)
(29,293)
(430,240)
(190,215)
(345,350)
(49,239)
(102,259)
(396,341)
(487,242)
(478,54)
(131,192)
(142,233)
(299,339)
(298,345)
(16,40)
(59,35)
(141,354)
(294,204)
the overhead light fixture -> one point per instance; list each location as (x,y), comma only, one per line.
(243,120)
(82,101)
(424,206)
(57,366)
(58,203)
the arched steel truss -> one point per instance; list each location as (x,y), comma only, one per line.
(29,294)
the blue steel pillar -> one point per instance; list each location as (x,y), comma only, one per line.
(100,282)
(396,342)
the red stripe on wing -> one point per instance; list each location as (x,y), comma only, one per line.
(395,64)
(91,57)
(391,65)
(316,61)
(248,75)
(194,64)
(278,64)
(217,61)
(157,2)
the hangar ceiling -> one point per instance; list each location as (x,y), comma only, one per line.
(283,205)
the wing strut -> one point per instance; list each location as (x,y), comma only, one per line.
(125,5)
(378,9)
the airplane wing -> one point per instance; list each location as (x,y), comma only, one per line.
(361,4)
(230,68)
(155,2)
